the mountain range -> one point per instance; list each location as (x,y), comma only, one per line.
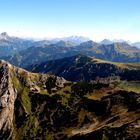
(10,45)
(42,106)
(69,89)
(117,52)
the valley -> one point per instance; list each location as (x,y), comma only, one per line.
(68,89)
(35,105)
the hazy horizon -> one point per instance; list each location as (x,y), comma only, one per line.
(97,20)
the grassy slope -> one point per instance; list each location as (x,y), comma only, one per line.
(40,115)
(121,65)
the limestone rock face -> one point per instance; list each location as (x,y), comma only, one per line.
(60,81)
(7,100)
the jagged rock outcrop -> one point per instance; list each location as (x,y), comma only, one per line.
(7,99)
(15,104)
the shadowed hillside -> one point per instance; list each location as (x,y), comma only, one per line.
(81,67)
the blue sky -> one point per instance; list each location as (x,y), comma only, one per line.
(97,19)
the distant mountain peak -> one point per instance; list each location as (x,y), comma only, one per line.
(136,44)
(119,40)
(106,42)
(62,43)
(4,36)
(122,44)
(77,39)
(88,43)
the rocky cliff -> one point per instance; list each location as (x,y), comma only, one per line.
(8,96)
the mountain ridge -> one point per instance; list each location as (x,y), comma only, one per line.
(34,105)
(117,52)
(81,67)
